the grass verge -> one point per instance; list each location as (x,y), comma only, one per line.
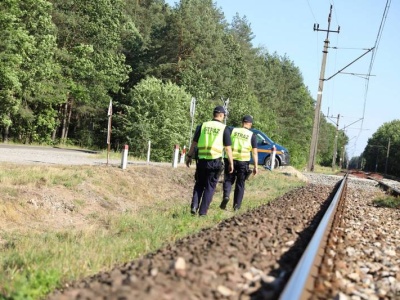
(388,201)
(35,262)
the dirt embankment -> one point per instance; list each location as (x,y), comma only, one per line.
(52,197)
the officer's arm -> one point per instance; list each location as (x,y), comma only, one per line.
(190,153)
(255,160)
(228,150)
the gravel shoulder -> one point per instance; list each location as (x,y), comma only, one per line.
(49,155)
(21,154)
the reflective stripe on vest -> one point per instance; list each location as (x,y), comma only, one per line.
(210,144)
(241,144)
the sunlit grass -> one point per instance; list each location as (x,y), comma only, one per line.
(40,176)
(326,170)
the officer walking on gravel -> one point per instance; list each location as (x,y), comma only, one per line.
(244,141)
(210,138)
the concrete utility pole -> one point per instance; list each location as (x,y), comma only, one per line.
(317,115)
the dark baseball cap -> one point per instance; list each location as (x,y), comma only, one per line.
(220,109)
(247,119)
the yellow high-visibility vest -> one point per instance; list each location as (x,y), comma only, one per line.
(210,143)
(241,144)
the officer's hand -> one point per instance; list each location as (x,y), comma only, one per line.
(230,168)
(255,171)
(188,161)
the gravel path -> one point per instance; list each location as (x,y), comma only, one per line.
(48,155)
(60,156)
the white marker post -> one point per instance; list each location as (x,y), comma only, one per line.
(124,159)
(175,156)
(109,115)
(148,152)
(273,155)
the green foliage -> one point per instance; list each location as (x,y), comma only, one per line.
(383,149)
(287,104)
(93,63)
(28,71)
(157,112)
(62,61)
(34,284)
(389,201)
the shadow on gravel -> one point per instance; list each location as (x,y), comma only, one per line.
(288,261)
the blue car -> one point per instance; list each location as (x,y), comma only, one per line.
(264,145)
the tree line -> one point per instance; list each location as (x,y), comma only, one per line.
(62,61)
(382,153)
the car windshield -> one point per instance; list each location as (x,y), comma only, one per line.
(261,139)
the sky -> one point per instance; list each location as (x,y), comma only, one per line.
(358,103)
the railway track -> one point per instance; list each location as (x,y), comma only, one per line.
(389,187)
(305,278)
(322,241)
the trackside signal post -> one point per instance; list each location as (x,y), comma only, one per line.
(317,115)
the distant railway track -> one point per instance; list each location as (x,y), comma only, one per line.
(393,190)
(387,183)
(328,230)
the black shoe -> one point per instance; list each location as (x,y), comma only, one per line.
(236,208)
(193,211)
(224,203)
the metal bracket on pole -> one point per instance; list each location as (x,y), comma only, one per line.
(369,50)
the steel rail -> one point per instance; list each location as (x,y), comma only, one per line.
(301,282)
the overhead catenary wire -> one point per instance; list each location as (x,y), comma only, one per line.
(316,47)
(336,54)
(312,12)
(373,56)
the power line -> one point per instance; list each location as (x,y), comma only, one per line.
(309,6)
(374,51)
(373,56)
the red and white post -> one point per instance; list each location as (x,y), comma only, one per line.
(183,154)
(124,159)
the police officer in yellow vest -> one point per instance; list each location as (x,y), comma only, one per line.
(210,139)
(244,141)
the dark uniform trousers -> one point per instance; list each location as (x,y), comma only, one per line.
(207,172)
(239,176)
